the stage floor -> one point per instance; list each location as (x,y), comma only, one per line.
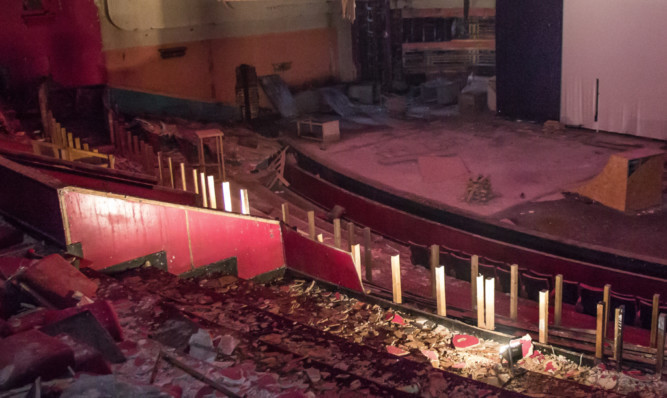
(530,170)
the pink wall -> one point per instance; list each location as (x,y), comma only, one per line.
(65,43)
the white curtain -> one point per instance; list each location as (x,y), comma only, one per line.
(621,43)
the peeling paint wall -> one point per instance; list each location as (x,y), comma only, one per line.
(218,37)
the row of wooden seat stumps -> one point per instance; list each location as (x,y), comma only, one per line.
(62,144)
(483,295)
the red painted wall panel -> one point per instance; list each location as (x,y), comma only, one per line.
(65,43)
(257,245)
(113,230)
(319,260)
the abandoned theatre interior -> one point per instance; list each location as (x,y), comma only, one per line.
(333,198)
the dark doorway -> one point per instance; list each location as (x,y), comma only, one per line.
(528,58)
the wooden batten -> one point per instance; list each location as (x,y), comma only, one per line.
(77,143)
(605,299)
(350,235)
(660,341)
(434,262)
(474,272)
(159,168)
(440,296)
(285,212)
(490,303)
(171,172)
(396,279)
(202,189)
(227,196)
(184,183)
(599,331)
(544,317)
(514,292)
(195,183)
(368,255)
(320,238)
(311,224)
(356,257)
(654,320)
(558,300)
(479,294)
(212,201)
(619,317)
(337,235)
(245,204)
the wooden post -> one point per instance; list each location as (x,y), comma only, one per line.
(440,297)
(194,181)
(212,202)
(285,208)
(619,315)
(350,234)
(396,279)
(227,195)
(171,172)
(77,143)
(654,319)
(514,291)
(490,303)
(70,140)
(245,204)
(605,299)
(86,147)
(544,316)
(434,263)
(599,334)
(112,162)
(337,235)
(474,271)
(159,168)
(480,301)
(356,255)
(660,341)
(184,183)
(368,255)
(320,238)
(558,300)
(202,185)
(311,224)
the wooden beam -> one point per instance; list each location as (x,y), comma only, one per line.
(77,143)
(433,264)
(311,224)
(490,303)
(285,209)
(184,183)
(599,336)
(619,317)
(337,235)
(350,235)
(396,279)
(514,291)
(70,140)
(474,272)
(544,317)
(480,301)
(202,185)
(171,172)
(212,201)
(440,296)
(368,255)
(558,300)
(654,320)
(605,299)
(245,203)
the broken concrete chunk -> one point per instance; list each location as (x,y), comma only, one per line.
(201,346)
